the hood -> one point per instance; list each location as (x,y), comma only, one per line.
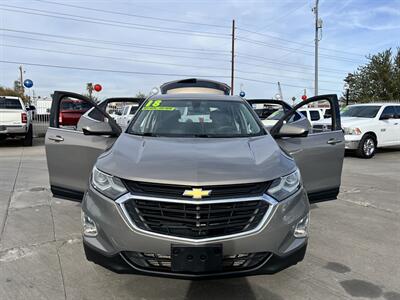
(354,121)
(195,161)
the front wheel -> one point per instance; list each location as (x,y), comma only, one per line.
(367,146)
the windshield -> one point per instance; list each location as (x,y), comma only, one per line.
(7,103)
(195,118)
(369,111)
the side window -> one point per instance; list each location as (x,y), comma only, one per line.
(133,110)
(397,109)
(314,115)
(304,113)
(388,113)
(71,111)
(296,117)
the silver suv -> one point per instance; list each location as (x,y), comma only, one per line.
(195,186)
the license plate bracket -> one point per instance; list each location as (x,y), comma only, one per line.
(196,259)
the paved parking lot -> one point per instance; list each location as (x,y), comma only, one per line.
(353,250)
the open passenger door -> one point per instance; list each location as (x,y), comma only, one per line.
(319,155)
(71,151)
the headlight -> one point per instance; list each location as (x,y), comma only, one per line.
(108,185)
(351,131)
(283,187)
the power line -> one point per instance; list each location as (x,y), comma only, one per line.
(119,50)
(293,42)
(134,15)
(146,61)
(155,62)
(110,70)
(142,73)
(113,23)
(274,83)
(276,18)
(251,57)
(332,57)
(124,44)
(265,59)
(112,57)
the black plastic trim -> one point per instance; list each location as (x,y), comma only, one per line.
(323,195)
(117,264)
(66,193)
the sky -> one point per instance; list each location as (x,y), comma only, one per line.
(133,46)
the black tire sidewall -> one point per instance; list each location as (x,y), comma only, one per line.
(28,140)
(361,146)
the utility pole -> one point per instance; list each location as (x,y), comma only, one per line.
(21,80)
(318,26)
(233,57)
(280,90)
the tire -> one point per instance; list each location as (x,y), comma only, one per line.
(367,146)
(28,140)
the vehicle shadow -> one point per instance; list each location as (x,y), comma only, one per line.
(12,143)
(238,288)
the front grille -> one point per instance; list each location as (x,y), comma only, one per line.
(196,221)
(158,262)
(217,191)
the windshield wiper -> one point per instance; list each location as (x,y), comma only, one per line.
(203,135)
(147,134)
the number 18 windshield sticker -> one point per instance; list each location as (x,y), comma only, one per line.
(156,105)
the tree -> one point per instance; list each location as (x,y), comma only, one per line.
(4,91)
(140,95)
(378,80)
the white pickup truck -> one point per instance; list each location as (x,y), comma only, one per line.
(371,126)
(15,120)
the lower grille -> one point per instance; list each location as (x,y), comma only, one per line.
(158,262)
(196,221)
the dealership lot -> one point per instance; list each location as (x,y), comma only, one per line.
(353,250)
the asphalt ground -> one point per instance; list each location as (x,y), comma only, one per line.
(353,250)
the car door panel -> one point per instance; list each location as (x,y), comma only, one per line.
(388,127)
(320,155)
(70,153)
(71,156)
(320,161)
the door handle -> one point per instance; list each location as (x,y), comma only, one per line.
(56,138)
(333,141)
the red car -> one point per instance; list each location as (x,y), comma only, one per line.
(71,111)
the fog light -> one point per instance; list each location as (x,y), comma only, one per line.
(301,230)
(89,226)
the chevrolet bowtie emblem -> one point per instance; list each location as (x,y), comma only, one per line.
(197,193)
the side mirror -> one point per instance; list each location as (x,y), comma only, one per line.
(386,117)
(101,128)
(288,130)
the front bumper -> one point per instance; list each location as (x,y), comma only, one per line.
(118,264)
(352,141)
(117,236)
